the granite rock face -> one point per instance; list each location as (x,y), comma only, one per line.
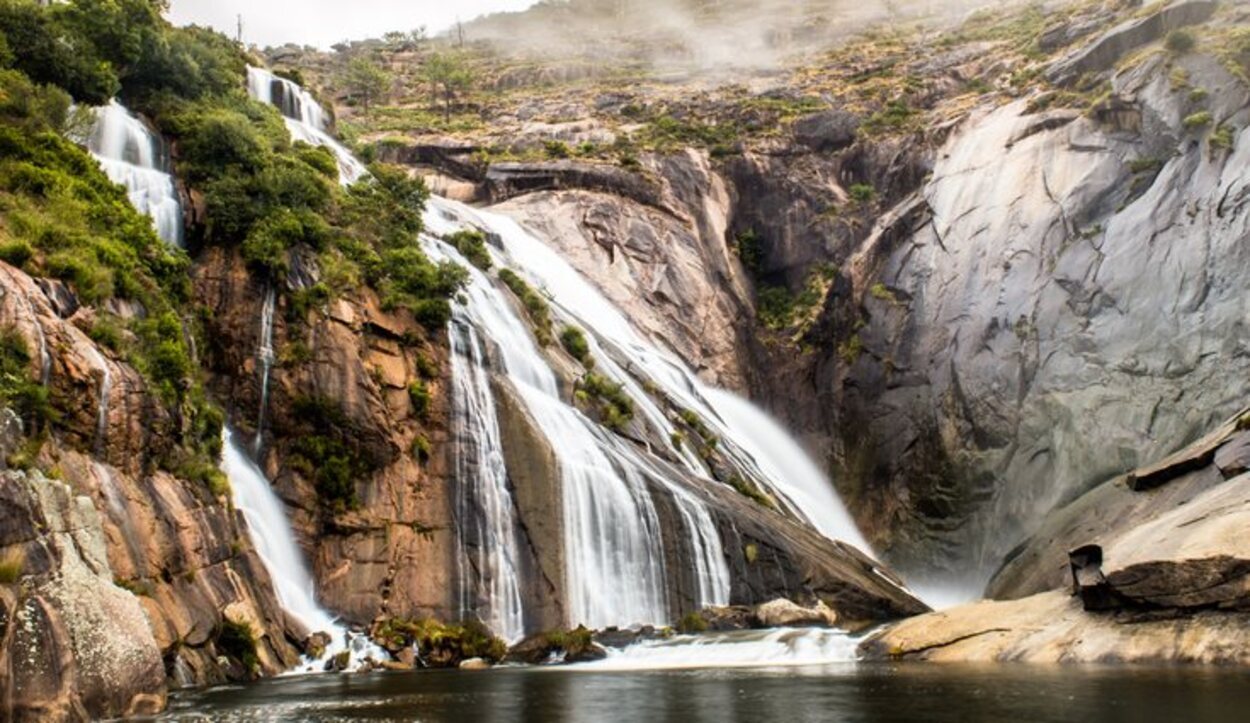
(1160,574)
(343,371)
(1053,312)
(119,575)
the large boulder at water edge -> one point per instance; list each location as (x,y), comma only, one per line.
(1156,574)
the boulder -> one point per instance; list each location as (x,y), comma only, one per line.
(782,613)
(830,130)
(474,664)
(1053,627)
(74,644)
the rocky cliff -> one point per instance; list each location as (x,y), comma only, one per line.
(984,268)
(120,579)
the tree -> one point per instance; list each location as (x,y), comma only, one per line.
(367,81)
(448,75)
(418,37)
(395,40)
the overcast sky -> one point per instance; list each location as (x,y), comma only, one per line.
(326,22)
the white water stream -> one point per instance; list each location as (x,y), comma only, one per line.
(134,156)
(264,359)
(781,647)
(270,532)
(305,119)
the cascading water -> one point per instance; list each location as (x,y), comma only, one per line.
(750,648)
(134,156)
(305,119)
(613,542)
(748,435)
(612,535)
(487,535)
(264,358)
(271,535)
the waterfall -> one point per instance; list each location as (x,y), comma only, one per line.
(264,357)
(134,156)
(305,119)
(274,541)
(486,530)
(748,435)
(615,570)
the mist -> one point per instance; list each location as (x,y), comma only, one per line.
(702,34)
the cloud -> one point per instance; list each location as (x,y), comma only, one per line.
(325,22)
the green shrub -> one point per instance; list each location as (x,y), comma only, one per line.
(1201,119)
(327,451)
(236,640)
(611,404)
(421,448)
(692,623)
(419,395)
(775,307)
(862,193)
(25,395)
(1222,138)
(471,243)
(557,149)
(535,305)
(850,349)
(752,492)
(574,342)
(1180,42)
(750,250)
(882,292)
(16,252)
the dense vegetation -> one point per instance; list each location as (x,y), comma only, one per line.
(60,216)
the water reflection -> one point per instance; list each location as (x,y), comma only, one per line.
(961,694)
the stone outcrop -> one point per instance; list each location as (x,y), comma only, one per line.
(1176,528)
(75,645)
(343,370)
(1102,54)
(1053,627)
(664,264)
(1157,575)
(1049,316)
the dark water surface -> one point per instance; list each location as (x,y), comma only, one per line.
(1015,693)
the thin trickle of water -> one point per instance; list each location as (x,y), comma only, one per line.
(134,156)
(486,531)
(264,358)
(45,358)
(106,388)
(274,541)
(117,507)
(305,119)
